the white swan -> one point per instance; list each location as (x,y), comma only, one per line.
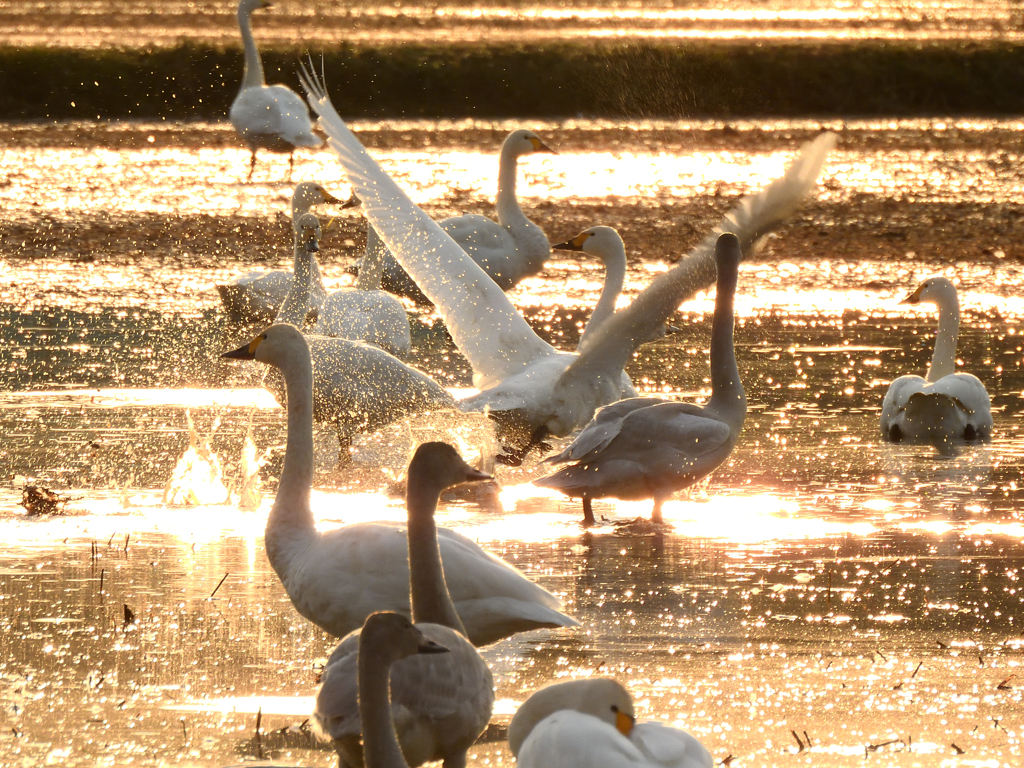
(366,313)
(256,296)
(357,387)
(386,638)
(336,579)
(945,407)
(440,704)
(509,249)
(592,723)
(272,117)
(529,387)
(644,447)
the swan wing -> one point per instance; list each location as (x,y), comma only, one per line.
(754,217)
(602,429)
(371,316)
(482,320)
(478,234)
(293,122)
(571,739)
(670,747)
(967,390)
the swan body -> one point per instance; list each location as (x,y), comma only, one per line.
(592,723)
(528,386)
(944,408)
(644,448)
(271,117)
(509,249)
(256,296)
(336,579)
(440,704)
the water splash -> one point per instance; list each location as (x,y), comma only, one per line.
(250,495)
(196,478)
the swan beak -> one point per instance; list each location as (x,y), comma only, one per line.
(624,723)
(915,297)
(473,474)
(331,199)
(576,244)
(540,146)
(311,246)
(429,646)
(266,4)
(352,202)
(246,351)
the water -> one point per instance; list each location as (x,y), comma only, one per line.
(857,593)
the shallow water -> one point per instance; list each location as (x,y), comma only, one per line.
(855,593)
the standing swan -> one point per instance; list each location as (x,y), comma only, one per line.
(509,249)
(646,448)
(385,639)
(271,117)
(530,388)
(596,727)
(440,705)
(945,407)
(337,579)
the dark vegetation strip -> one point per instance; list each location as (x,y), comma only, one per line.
(629,80)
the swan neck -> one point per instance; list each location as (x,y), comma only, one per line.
(296,302)
(430,599)
(944,356)
(380,743)
(727,396)
(614,277)
(506,204)
(372,267)
(253,75)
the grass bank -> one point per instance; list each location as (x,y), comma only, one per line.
(634,80)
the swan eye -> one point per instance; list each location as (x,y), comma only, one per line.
(615,709)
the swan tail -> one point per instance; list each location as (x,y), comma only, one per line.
(493,618)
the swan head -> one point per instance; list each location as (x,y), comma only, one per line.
(524,142)
(309,193)
(275,346)
(600,697)
(934,290)
(602,242)
(396,636)
(728,252)
(307,229)
(437,466)
(248,6)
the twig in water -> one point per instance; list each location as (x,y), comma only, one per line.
(958,750)
(917,669)
(217,587)
(184,730)
(1005,685)
(882,655)
(129,616)
(981,659)
(726,761)
(126,537)
(799,743)
(103,572)
(807,739)
(259,739)
(111,541)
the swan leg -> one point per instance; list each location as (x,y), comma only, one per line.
(291,165)
(970,433)
(588,512)
(252,166)
(656,516)
(455,761)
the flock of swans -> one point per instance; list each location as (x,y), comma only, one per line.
(396,693)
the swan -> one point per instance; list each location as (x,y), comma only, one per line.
(271,117)
(644,447)
(440,704)
(386,638)
(366,313)
(509,249)
(603,711)
(336,579)
(357,387)
(945,407)
(530,388)
(256,296)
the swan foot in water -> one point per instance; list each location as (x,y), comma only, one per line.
(588,512)
(513,457)
(970,433)
(895,434)
(252,166)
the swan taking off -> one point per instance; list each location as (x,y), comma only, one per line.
(271,117)
(256,296)
(529,387)
(592,724)
(645,448)
(509,249)
(944,408)
(440,705)
(337,579)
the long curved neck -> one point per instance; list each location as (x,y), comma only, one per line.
(253,76)
(431,602)
(506,204)
(291,512)
(372,267)
(380,743)
(614,277)
(727,397)
(944,356)
(296,302)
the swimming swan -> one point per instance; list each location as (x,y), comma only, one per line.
(272,117)
(529,387)
(440,704)
(509,249)
(386,638)
(336,579)
(945,407)
(256,296)
(645,447)
(592,723)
